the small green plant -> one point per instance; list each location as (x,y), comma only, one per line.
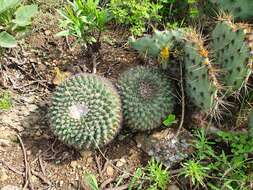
(230,170)
(15,19)
(159,177)
(177,13)
(203,145)
(5,101)
(171,119)
(195,171)
(85,20)
(135,13)
(91,181)
(152,177)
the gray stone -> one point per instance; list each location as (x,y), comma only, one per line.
(165,147)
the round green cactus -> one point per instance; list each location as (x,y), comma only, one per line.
(146,97)
(85,111)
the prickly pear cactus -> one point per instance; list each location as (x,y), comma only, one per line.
(153,45)
(232,47)
(240,9)
(85,111)
(146,97)
(202,87)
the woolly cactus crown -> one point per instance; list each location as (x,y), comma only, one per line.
(146,97)
(85,111)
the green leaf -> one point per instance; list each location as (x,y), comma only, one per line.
(8,4)
(170,120)
(7,40)
(62,33)
(24,14)
(91,181)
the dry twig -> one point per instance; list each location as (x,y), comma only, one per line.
(99,166)
(182,101)
(26,181)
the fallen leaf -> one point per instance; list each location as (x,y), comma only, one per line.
(60,76)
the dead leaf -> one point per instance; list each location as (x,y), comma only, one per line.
(60,76)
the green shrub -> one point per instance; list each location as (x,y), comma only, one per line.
(15,19)
(135,13)
(85,20)
(153,177)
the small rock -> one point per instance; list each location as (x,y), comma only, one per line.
(32,107)
(34,179)
(3,175)
(47,32)
(173,187)
(163,145)
(10,187)
(121,162)
(38,133)
(89,160)
(73,164)
(110,171)
(28,152)
(5,143)
(61,183)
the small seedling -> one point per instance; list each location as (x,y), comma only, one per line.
(195,171)
(91,181)
(5,101)
(171,119)
(152,177)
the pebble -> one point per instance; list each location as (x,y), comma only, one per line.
(47,32)
(110,171)
(5,143)
(3,175)
(61,183)
(121,162)
(89,160)
(73,164)
(28,152)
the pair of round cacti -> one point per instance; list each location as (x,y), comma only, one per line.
(87,110)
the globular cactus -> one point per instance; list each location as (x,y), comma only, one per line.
(146,97)
(232,47)
(202,86)
(240,9)
(85,111)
